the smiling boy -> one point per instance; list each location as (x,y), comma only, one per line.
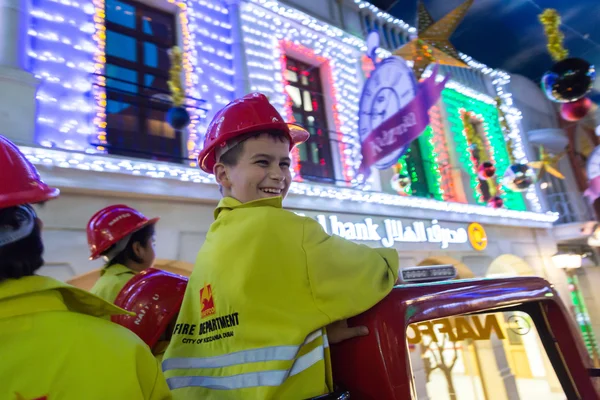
(266,281)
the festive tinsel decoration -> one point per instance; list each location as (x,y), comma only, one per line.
(551,21)
(505,129)
(474,139)
(175,85)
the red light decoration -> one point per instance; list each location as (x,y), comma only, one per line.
(325,66)
(441,155)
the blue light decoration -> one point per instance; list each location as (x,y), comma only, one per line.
(67,42)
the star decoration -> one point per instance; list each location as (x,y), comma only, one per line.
(547,163)
(433,41)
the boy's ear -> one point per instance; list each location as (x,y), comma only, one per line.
(137,249)
(221,175)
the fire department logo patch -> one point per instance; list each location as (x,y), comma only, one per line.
(207,303)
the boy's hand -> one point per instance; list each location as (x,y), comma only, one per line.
(339,331)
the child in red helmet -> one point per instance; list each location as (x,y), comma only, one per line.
(266,281)
(124,237)
(155,296)
(54,343)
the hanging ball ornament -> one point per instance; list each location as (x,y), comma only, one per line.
(178,118)
(518,177)
(486,170)
(496,202)
(576,110)
(568,80)
(400,183)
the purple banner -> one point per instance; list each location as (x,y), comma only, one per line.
(404,126)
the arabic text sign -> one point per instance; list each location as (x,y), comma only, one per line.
(393,231)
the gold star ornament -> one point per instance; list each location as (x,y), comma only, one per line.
(433,41)
(547,163)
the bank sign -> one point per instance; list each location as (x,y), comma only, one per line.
(391,231)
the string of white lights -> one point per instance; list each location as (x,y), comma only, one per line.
(67,44)
(500,81)
(100,163)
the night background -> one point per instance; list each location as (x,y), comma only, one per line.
(507,34)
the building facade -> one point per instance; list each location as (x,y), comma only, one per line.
(85,96)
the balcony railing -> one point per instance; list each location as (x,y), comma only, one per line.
(136,122)
(568,212)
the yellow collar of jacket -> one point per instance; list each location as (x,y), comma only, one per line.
(116,269)
(229,203)
(33,294)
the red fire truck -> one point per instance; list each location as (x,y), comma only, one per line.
(448,317)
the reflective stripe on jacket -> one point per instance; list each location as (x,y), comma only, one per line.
(265,283)
(112,280)
(54,344)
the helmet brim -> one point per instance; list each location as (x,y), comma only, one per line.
(295,133)
(298,135)
(100,250)
(37,194)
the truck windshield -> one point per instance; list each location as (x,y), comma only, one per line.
(493,355)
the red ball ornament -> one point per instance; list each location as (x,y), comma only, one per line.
(496,202)
(486,170)
(576,110)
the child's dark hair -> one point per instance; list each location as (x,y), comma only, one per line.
(23,257)
(231,157)
(142,236)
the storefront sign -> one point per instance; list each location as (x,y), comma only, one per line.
(393,111)
(391,231)
(457,329)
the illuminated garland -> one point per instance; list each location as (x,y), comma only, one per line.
(265,35)
(472,140)
(505,130)
(500,81)
(441,156)
(473,137)
(431,164)
(454,102)
(289,114)
(56,158)
(551,21)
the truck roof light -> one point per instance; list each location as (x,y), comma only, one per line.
(427,273)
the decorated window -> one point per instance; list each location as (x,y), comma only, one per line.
(479,138)
(138,39)
(308,107)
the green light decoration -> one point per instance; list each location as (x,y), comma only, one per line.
(454,102)
(404,170)
(430,164)
(582,317)
(419,163)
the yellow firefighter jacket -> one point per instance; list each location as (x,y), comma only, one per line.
(265,283)
(112,280)
(54,347)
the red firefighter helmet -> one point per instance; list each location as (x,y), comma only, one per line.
(111,224)
(20,183)
(251,113)
(155,296)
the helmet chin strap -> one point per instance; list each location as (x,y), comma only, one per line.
(110,254)
(25,216)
